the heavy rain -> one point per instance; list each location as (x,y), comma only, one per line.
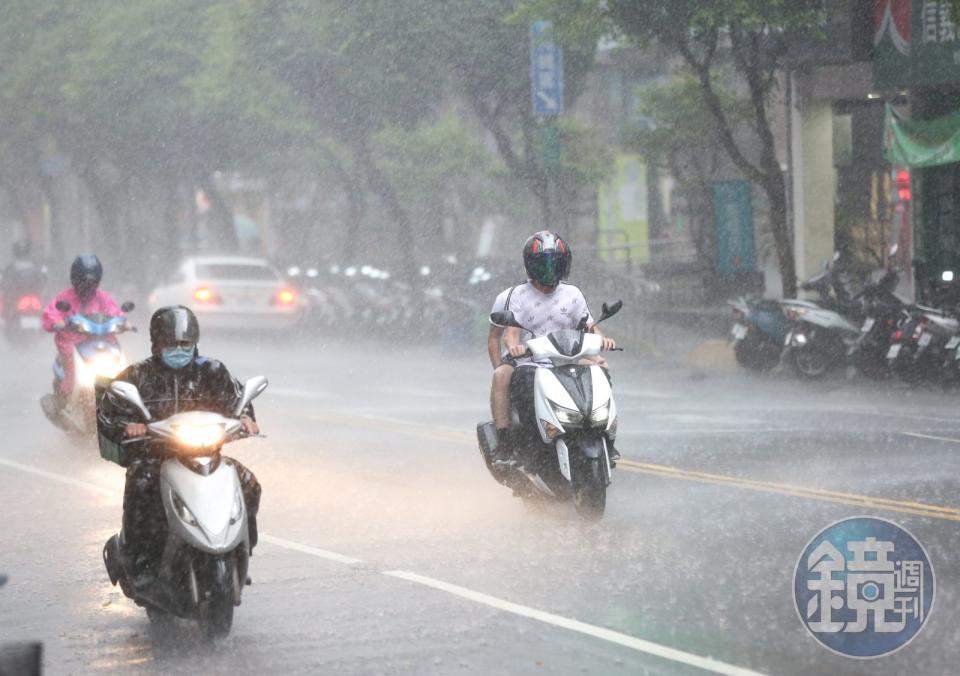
(479,336)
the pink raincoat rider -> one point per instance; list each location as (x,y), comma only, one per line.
(53,319)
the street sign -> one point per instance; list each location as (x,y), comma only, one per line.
(546,70)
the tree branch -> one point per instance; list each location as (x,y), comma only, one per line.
(715,107)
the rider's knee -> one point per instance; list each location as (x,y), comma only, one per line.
(502,376)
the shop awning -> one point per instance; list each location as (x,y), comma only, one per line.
(921,143)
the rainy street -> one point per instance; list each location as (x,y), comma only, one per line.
(387,548)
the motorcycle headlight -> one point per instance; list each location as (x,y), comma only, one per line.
(199,436)
(599,416)
(567,416)
(182,510)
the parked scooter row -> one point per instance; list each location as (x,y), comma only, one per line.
(874,331)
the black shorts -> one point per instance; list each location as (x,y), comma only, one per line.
(521,395)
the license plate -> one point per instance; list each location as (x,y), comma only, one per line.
(29,322)
(953,342)
(867,325)
(925,339)
(739,331)
(894,351)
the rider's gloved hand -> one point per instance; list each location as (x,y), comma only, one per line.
(134,430)
(249,425)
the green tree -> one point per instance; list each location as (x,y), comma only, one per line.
(682,137)
(756,36)
(484,47)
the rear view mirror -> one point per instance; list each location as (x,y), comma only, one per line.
(129,393)
(504,319)
(251,390)
(607,312)
(63,306)
(129,306)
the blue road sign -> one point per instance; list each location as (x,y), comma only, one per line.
(546,70)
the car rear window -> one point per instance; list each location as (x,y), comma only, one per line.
(236,271)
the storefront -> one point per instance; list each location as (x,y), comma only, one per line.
(917,70)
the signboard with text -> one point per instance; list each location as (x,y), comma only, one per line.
(915,43)
(546,70)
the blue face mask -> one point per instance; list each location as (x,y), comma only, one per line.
(177,357)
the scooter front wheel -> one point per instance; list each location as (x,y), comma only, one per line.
(590,496)
(216,610)
(810,363)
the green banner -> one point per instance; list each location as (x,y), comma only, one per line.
(733,219)
(921,143)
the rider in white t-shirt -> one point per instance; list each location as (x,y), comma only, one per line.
(542,305)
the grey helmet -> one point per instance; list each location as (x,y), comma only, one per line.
(173,324)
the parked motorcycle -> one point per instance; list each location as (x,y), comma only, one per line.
(567,456)
(206,554)
(919,347)
(98,356)
(759,330)
(819,339)
(882,312)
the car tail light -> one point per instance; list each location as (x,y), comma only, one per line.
(206,296)
(29,303)
(286,297)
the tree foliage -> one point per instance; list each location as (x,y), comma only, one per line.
(756,36)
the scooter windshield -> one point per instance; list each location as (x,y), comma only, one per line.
(97,323)
(568,342)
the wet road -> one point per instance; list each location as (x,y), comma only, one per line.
(387,548)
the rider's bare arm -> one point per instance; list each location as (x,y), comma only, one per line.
(511,338)
(608,343)
(493,344)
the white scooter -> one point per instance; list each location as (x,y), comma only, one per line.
(205,557)
(567,456)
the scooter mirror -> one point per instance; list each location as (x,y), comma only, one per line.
(607,312)
(504,319)
(63,306)
(129,306)
(251,390)
(130,394)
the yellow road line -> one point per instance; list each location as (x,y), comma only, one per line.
(905,506)
(454,435)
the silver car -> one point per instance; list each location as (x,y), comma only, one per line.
(229,292)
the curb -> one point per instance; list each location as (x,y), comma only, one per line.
(712,355)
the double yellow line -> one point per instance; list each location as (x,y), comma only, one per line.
(823,495)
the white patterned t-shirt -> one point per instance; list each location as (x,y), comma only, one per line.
(543,313)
